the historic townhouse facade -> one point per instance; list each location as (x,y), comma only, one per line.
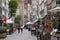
(5,9)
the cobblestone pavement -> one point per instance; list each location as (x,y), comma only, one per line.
(26,35)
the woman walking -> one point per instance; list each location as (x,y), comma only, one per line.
(22,28)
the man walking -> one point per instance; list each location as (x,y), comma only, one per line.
(18,28)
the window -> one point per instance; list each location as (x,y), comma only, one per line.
(57,1)
(29,1)
(53,3)
(0,10)
(1,22)
(42,12)
(42,6)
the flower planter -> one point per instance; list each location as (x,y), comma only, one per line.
(3,32)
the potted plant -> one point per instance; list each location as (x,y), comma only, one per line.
(3,32)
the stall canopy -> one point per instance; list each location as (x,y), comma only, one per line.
(9,21)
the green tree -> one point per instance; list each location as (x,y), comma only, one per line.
(17,19)
(13,5)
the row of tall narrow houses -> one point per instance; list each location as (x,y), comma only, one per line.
(46,11)
(32,10)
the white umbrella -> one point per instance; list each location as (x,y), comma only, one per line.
(9,21)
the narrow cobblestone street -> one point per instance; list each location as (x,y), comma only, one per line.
(21,36)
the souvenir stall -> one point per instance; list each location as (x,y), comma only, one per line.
(10,26)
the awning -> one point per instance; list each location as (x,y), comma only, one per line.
(9,21)
(55,9)
(35,21)
(29,23)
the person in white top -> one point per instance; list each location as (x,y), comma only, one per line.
(22,28)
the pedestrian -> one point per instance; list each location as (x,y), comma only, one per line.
(18,28)
(22,28)
(25,26)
